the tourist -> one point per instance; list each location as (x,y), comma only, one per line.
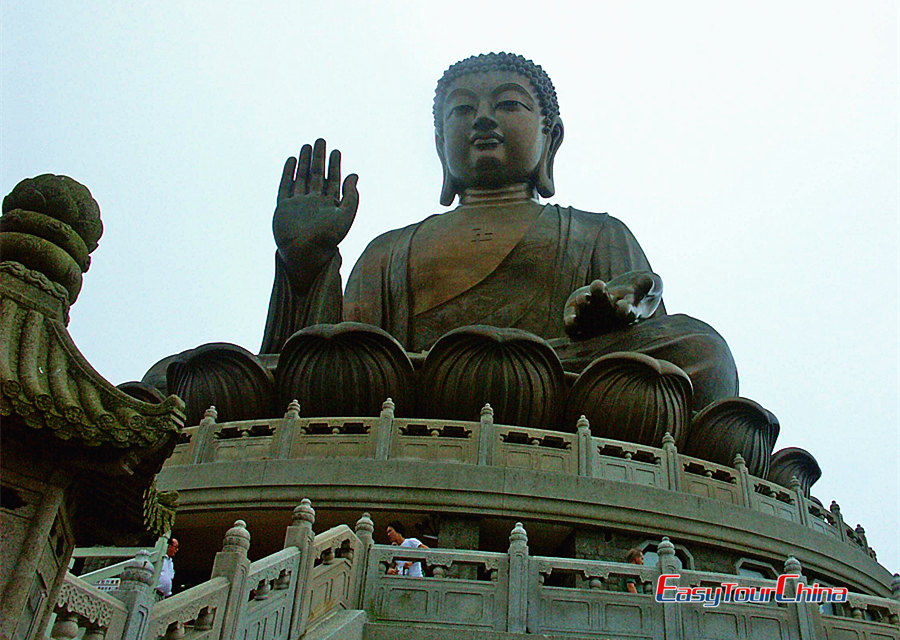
(396,535)
(167,574)
(634,556)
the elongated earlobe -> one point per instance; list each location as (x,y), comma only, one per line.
(448,190)
(544,178)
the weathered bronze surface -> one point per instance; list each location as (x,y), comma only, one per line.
(500,258)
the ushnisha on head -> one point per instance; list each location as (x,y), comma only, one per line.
(497,124)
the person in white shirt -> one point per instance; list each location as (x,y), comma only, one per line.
(167,574)
(395,533)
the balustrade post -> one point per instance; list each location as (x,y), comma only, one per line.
(66,627)
(203,437)
(487,436)
(800,497)
(586,450)
(232,563)
(895,587)
(746,484)
(300,534)
(861,536)
(365,529)
(137,591)
(835,509)
(673,465)
(672,622)
(280,448)
(517,603)
(809,619)
(384,430)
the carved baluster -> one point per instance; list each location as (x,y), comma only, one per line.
(262,590)
(672,612)
(673,468)
(137,591)
(586,448)
(283,581)
(300,534)
(280,447)
(232,563)
(487,436)
(94,632)
(66,626)
(365,528)
(205,619)
(744,483)
(203,437)
(175,631)
(835,509)
(518,580)
(384,429)
(800,500)
(808,616)
(861,537)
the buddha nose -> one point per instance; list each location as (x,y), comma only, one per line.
(484,117)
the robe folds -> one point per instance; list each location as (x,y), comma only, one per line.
(563,250)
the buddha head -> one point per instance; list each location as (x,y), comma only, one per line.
(496,124)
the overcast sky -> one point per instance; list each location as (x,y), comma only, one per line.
(752,148)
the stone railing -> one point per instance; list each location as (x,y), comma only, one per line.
(487,444)
(277,597)
(83,610)
(517,593)
(291,592)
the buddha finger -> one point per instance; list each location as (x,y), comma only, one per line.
(350,200)
(301,186)
(286,186)
(333,181)
(317,167)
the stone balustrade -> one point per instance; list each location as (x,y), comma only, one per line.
(84,611)
(288,594)
(487,444)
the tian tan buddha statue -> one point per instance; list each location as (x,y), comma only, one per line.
(564,289)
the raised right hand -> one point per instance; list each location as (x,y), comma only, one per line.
(314,211)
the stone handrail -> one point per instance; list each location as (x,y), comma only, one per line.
(285,595)
(486,443)
(195,613)
(83,607)
(272,585)
(336,575)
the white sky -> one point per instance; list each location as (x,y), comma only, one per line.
(752,148)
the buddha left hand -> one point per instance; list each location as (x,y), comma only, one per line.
(602,306)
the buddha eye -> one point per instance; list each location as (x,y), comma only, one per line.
(461,110)
(510,105)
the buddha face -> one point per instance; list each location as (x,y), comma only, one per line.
(492,130)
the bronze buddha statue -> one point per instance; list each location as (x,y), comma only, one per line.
(501,258)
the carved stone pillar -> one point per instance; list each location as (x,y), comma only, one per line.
(232,563)
(137,592)
(517,611)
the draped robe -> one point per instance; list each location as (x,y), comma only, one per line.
(563,250)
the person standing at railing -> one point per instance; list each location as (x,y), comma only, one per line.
(634,556)
(396,535)
(167,573)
